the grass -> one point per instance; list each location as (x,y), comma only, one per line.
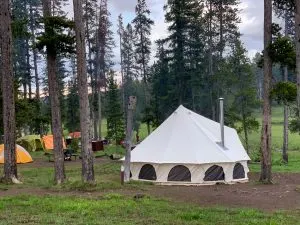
(118,209)
(107,175)
(277,166)
(277,132)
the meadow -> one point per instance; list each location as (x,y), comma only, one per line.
(38,201)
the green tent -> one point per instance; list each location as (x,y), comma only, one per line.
(31,143)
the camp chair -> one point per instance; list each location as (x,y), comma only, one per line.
(69,153)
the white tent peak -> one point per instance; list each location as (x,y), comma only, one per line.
(188,138)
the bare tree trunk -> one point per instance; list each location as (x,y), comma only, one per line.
(86,150)
(10,165)
(36,74)
(266,147)
(245,130)
(55,105)
(99,114)
(28,70)
(285,110)
(131,108)
(210,64)
(297,29)
(120,31)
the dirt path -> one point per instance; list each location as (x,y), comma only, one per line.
(284,194)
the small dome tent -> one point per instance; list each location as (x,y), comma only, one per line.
(22,155)
(185,149)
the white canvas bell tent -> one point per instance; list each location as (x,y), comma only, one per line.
(185,149)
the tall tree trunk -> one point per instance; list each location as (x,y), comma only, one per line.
(297,29)
(129,129)
(210,64)
(90,70)
(286,109)
(221,30)
(86,150)
(122,66)
(28,70)
(10,165)
(55,105)
(266,147)
(245,130)
(34,51)
(99,114)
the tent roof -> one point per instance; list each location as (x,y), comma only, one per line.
(187,137)
(22,155)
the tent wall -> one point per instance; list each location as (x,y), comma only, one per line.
(197,172)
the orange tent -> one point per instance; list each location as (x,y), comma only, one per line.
(75,135)
(48,143)
(22,155)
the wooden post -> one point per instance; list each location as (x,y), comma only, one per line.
(130,110)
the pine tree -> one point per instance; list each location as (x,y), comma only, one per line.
(243,81)
(182,17)
(266,161)
(90,19)
(128,61)
(104,56)
(142,28)
(21,45)
(160,81)
(57,41)
(10,164)
(86,151)
(72,103)
(34,16)
(121,33)
(115,122)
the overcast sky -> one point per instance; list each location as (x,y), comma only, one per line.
(251,15)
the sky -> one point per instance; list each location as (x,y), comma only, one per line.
(251,26)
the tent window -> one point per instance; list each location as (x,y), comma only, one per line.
(238,171)
(147,173)
(179,173)
(214,173)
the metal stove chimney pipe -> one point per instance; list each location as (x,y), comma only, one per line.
(222,121)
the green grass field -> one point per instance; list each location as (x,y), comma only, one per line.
(277,132)
(118,209)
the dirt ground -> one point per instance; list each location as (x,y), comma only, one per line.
(284,194)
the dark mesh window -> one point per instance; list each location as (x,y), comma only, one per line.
(238,171)
(179,173)
(214,173)
(147,172)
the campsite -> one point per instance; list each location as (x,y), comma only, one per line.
(150,112)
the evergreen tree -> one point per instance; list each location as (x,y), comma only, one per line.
(10,162)
(128,61)
(90,20)
(72,105)
(182,16)
(115,122)
(266,158)
(104,57)
(245,101)
(57,41)
(142,25)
